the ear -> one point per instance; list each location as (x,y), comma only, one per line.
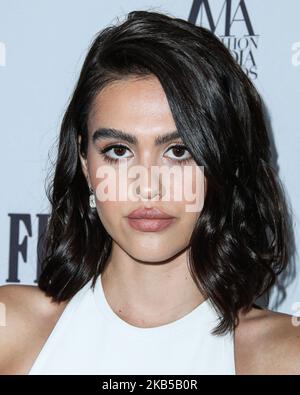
(83,160)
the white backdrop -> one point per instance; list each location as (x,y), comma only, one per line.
(42,47)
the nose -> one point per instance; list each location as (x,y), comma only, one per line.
(150,186)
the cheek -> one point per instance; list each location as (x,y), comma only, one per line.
(188,221)
(188,188)
(94,163)
(110,214)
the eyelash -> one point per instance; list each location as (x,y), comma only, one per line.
(110,160)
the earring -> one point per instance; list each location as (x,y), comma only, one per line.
(92,198)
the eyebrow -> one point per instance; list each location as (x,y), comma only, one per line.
(106,133)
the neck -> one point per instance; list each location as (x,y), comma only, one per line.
(149,294)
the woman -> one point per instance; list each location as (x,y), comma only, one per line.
(146,285)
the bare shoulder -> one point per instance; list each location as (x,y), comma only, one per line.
(27,318)
(267,342)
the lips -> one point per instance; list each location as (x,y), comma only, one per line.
(149,219)
(149,213)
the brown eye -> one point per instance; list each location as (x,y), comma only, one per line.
(180,153)
(119,151)
(114,153)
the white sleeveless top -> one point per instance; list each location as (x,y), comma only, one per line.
(90,338)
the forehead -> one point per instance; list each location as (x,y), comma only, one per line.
(139,106)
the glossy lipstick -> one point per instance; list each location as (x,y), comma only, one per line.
(149,219)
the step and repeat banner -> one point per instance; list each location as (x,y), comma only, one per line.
(42,48)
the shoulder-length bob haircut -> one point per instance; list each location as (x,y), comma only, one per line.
(239,244)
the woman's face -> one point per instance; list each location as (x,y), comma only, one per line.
(139,108)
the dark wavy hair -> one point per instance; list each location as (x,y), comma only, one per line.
(240,243)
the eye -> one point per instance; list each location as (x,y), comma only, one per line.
(181,154)
(114,153)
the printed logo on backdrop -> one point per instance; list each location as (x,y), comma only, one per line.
(21,235)
(231,22)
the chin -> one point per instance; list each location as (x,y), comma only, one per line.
(150,254)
